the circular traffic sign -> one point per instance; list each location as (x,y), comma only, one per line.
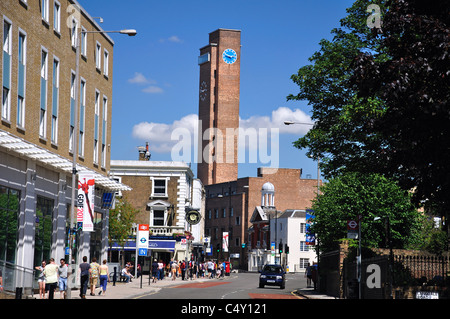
(352,224)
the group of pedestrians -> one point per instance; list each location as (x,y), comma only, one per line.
(50,277)
(187,270)
(92,273)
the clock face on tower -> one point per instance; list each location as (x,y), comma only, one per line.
(229,56)
(203,90)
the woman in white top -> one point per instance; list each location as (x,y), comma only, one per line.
(41,279)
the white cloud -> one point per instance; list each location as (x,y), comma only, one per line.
(152,89)
(173,38)
(159,135)
(277,121)
(140,79)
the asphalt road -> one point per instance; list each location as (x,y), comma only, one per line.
(235,286)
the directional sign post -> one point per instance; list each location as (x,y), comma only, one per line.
(352,229)
(141,242)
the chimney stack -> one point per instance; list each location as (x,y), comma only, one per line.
(144,154)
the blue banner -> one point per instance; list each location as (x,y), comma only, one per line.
(310,237)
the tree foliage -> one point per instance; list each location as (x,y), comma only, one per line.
(341,135)
(369,195)
(121,221)
(414,84)
(380,97)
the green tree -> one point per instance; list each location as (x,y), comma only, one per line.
(342,136)
(121,221)
(414,84)
(368,195)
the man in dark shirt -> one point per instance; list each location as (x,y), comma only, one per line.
(84,277)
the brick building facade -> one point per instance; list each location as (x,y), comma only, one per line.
(38,129)
(219,107)
(231,201)
(163,192)
(230,206)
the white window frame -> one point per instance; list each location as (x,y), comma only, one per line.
(73,79)
(6,93)
(57,16)
(166,180)
(82,130)
(98,55)
(44,10)
(96,113)
(104,122)
(105,62)
(21,114)
(74,33)
(54,124)
(83,43)
(42,112)
(303,246)
(152,216)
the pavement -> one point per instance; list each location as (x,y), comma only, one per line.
(133,289)
(136,288)
(310,293)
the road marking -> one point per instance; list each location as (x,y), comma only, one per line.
(202,284)
(271,296)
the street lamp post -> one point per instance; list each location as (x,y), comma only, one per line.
(129,32)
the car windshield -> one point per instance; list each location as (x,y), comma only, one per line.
(275,269)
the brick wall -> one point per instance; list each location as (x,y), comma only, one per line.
(40,34)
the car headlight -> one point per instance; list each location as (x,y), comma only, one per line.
(262,276)
(279,277)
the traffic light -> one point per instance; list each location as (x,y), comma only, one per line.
(280,248)
(243,245)
(218,247)
(286,248)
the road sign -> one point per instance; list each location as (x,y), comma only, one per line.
(143,251)
(352,225)
(142,236)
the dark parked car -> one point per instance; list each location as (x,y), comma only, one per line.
(272,275)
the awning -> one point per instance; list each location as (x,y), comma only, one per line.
(160,245)
(57,162)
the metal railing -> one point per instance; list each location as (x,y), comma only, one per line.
(15,277)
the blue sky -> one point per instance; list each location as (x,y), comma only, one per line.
(156,76)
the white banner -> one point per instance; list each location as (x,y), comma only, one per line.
(225,242)
(85,201)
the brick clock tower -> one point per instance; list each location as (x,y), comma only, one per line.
(219,63)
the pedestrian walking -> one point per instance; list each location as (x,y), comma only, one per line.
(41,279)
(154,270)
(174,269)
(62,274)
(93,275)
(308,275)
(160,270)
(51,277)
(210,265)
(103,269)
(84,277)
(183,270)
(314,275)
